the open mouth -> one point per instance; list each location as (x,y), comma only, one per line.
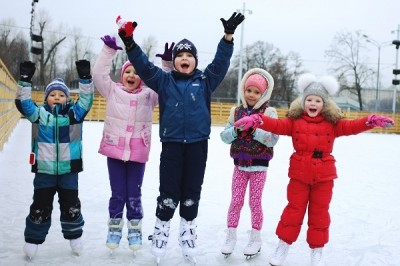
(131,82)
(184,66)
(312,110)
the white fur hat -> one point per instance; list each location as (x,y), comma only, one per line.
(308,84)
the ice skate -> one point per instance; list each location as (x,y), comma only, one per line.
(114,233)
(30,250)
(253,247)
(230,242)
(187,240)
(159,239)
(135,234)
(280,253)
(316,257)
(76,245)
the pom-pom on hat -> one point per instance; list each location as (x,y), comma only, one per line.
(56,84)
(184,46)
(324,87)
(261,79)
(124,67)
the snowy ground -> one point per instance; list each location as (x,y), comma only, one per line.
(365,214)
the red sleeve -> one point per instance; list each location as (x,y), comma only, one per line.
(346,127)
(277,126)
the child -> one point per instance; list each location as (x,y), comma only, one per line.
(126,142)
(251,151)
(313,122)
(56,156)
(185,125)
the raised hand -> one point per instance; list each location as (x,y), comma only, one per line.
(247,122)
(127,26)
(380,121)
(231,24)
(83,68)
(26,71)
(167,55)
(110,42)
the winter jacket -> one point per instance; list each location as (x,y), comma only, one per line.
(313,139)
(128,122)
(57,132)
(184,100)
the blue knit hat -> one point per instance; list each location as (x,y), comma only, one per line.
(185,46)
(56,84)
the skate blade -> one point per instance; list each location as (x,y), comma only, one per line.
(251,256)
(226,255)
(191,260)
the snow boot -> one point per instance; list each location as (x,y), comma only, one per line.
(159,239)
(316,257)
(280,253)
(76,245)
(254,244)
(187,238)
(135,234)
(230,242)
(30,250)
(114,232)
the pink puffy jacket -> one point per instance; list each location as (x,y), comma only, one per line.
(128,122)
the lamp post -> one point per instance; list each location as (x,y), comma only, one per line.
(379,46)
(396,71)
(243,11)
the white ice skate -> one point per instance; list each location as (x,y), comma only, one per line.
(230,242)
(316,257)
(30,250)
(76,245)
(187,240)
(280,254)
(159,239)
(254,245)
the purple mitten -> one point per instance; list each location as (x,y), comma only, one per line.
(380,121)
(167,55)
(110,42)
(252,121)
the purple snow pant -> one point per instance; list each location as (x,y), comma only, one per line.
(126,180)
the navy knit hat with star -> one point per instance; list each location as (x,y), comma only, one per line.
(185,46)
(56,84)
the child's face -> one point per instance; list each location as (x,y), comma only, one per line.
(185,62)
(56,96)
(313,105)
(130,79)
(252,95)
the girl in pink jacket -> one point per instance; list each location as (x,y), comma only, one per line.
(126,142)
(314,122)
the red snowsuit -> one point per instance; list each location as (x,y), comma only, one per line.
(311,171)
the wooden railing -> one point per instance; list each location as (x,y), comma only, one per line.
(9,115)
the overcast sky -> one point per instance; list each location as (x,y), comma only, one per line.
(306,27)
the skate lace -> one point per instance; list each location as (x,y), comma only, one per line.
(253,238)
(230,236)
(316,255)
(161,234)
(281,250)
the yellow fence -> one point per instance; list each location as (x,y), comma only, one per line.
(9,115)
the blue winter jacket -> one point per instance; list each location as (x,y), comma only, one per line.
(184,101)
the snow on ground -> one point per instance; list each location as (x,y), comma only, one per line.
(365,228)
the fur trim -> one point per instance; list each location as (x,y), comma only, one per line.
(266,95)
(331,111)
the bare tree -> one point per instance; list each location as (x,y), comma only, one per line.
(348,64)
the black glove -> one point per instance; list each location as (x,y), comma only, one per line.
(128,41)
(167,55)
(26,71)
(83,68)
(231,24)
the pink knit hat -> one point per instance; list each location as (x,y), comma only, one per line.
(257,81)
(124,67)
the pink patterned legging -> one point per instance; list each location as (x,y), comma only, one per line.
(239,185)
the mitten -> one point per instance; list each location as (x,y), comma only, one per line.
(127,26)
(26,71)
(167,55)
(110,42)
(231,24)
(83,68)
(247,122)
(128,41)
(380,121)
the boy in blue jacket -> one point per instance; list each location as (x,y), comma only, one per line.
(185,124)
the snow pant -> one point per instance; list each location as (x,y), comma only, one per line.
(256,182)
(126,180)
(38,221)
(300,195)
(182,168)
